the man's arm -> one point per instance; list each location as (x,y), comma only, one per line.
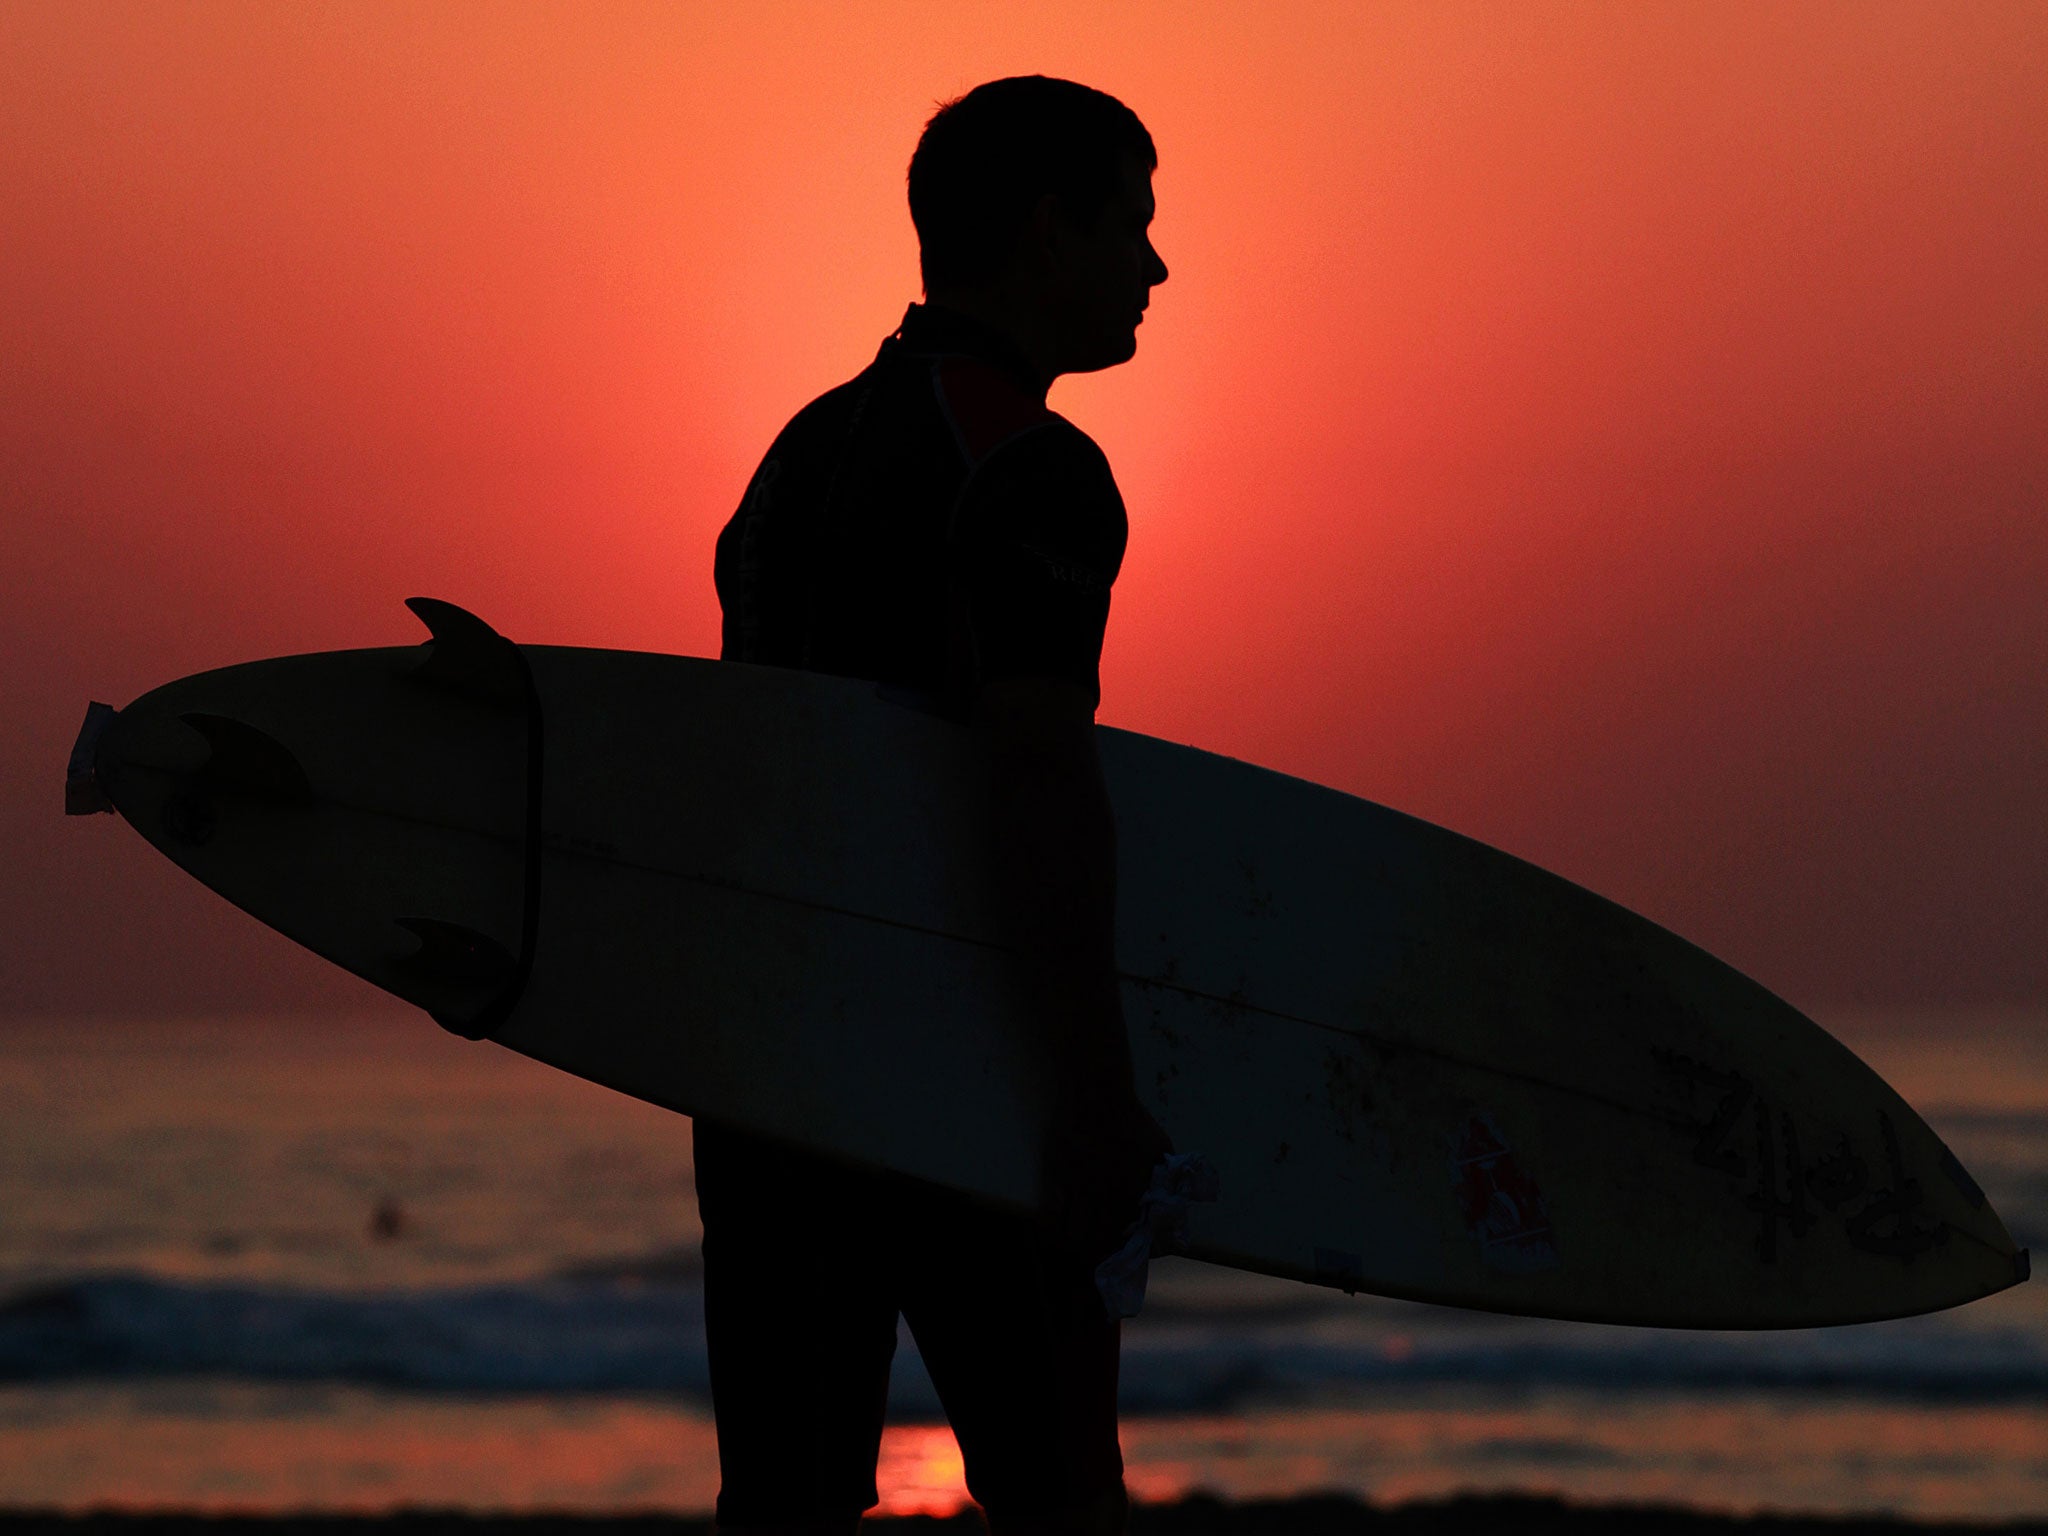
(1054,835)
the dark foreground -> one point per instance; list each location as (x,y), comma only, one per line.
(1198,1516)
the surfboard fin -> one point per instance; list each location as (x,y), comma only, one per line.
(465,655)
(241,760)
(457,957)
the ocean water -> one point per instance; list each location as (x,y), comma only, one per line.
(355,1263)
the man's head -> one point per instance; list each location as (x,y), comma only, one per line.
(1031,198)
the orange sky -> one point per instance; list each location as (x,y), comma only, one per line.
(1619,432)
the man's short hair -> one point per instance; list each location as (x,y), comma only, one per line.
(986,158)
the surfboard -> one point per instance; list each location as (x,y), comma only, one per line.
(1421,1067)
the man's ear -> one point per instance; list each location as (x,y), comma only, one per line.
(1045,234)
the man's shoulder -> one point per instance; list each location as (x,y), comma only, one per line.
(824,417)
(1047,493)
(1054,467)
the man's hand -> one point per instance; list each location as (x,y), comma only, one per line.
(1098,1163)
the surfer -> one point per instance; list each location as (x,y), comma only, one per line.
(932,526)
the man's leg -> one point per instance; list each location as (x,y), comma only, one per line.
(800,1330)
(1025,1361)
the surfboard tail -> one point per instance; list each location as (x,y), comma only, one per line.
(377,807)
(83,795)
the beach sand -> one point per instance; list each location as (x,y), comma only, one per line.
(1197,1516)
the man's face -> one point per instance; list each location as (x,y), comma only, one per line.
(1104,276)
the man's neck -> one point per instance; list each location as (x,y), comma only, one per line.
(1006,318)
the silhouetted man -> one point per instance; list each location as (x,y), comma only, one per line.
(932,526)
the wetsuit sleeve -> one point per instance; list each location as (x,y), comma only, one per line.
(1041,537)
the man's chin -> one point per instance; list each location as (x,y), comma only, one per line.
(1113,350)
(1121,350)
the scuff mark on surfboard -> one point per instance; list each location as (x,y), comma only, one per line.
(1895,1223)
(1258,898)
(1502,1205)
(1888,1220)
(1162,1082)
(1348,1095)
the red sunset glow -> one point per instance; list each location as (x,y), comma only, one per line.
(1613,431)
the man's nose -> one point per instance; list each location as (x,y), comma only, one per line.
(1158,273)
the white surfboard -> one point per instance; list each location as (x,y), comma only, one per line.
(1421,1067)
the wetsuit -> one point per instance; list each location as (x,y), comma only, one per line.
(932,526)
